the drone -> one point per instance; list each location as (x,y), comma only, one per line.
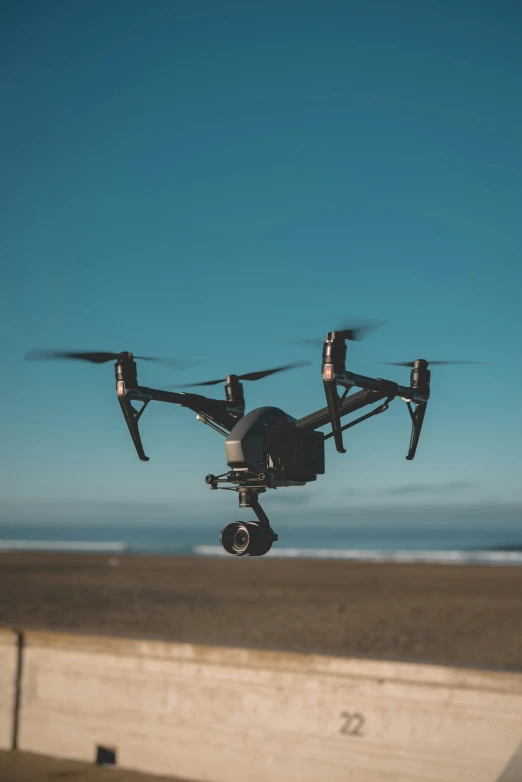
(267,448)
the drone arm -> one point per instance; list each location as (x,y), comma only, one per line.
(380,409)
(350,379)
(210,411)
(159,396)
(337,408)
(348,405)
(217,410)
(132,415)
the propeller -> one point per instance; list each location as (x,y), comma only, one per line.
(101,357)
(355,331)
(412,363)
(249,376)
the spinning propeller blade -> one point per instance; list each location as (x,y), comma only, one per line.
(101,357)
(249,376)
(355,331)
(412,363)
(94,357)
(266,372)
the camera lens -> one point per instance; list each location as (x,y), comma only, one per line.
(240,538)
(235,538)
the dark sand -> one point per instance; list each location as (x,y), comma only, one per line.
(28,767)
(463,615)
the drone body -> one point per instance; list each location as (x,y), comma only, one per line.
(266,448)
(267,441)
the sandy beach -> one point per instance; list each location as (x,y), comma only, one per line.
(459,615)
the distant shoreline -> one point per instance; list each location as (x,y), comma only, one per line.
(496,555)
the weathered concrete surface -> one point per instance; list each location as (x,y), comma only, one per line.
(229,715)
(29,767)
(513,771)
(8,669)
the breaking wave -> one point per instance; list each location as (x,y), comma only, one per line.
(456,557)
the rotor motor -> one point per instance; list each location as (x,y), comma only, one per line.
(420,376)
(234,391)
(334,353)
(126,373)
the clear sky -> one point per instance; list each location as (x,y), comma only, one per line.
(197,179)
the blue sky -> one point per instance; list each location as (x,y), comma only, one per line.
(197,179)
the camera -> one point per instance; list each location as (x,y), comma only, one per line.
(247,539)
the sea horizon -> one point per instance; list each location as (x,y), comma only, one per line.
(495,545)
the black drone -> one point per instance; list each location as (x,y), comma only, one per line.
(267,448)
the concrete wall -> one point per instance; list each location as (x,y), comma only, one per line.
(8,675)
(231,715)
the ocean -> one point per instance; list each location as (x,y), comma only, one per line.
(494,545)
